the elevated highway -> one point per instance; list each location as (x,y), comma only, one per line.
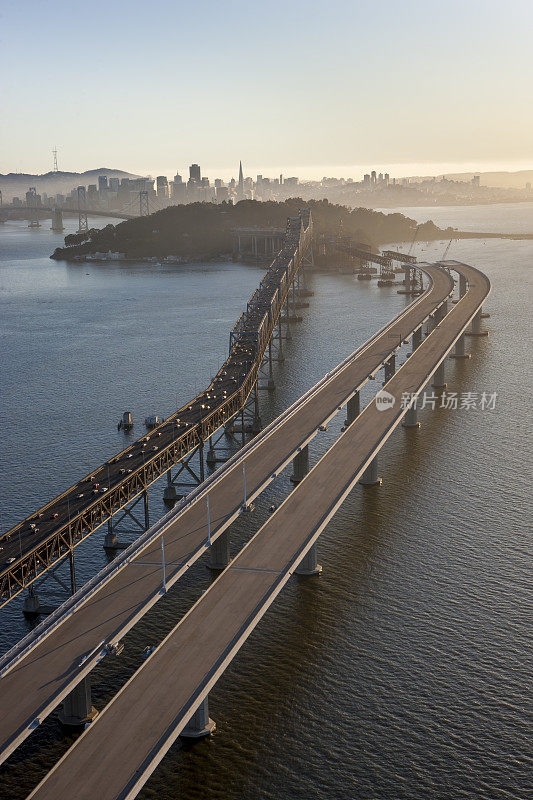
(52,533)
(42,670)
(167,696)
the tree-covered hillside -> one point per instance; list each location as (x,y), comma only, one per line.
(205,230)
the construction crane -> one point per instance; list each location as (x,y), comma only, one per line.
(446,250)
(414,240)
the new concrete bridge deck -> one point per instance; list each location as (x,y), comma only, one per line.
(117,753)
(43,669)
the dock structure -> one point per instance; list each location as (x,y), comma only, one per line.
(168,695)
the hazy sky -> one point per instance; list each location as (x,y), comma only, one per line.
(298,86)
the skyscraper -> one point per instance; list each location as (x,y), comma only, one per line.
(240,184)
(195,173)
(162,186)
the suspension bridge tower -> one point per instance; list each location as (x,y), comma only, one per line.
(144,210)
(83,226)
(32,202)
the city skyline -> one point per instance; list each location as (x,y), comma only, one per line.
(412,88)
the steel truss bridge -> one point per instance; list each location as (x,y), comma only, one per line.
(50,535)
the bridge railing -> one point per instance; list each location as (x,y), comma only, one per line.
(72,532)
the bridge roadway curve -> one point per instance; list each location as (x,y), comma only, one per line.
(117,753)
(40,672)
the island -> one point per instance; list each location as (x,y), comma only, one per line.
(205,231)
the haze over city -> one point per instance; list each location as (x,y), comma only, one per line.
(302,88)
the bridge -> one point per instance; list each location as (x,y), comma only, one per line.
(168,695)
(139,206)
(50,535)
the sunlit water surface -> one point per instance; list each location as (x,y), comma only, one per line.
(402,672)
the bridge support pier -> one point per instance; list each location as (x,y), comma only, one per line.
(411,418)
(462,285)
(417,338)
(475,328)
(408,281)
(219,555)
(459,350)
(353,409)
(111,542)
(77,709)
(441,312)
(370,475)
(309,564)
(200,724)
(300,465)
(57,220)
(32,606)
(390,368)
(438,381)
(169,495)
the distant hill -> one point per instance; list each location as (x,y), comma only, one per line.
(16,184)
(499,180)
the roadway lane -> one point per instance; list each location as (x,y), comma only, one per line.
(136,729)
(40,680)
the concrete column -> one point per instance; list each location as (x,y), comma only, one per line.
(459,350)
(309,564)
(417,338)
(353,409)
(411,418)
(390,368)
(462,285)
(110,541)
(77,709)
(200,724)
(370,475)
(300,465)
(475,329)
(57,220)
(407,278)
(31,607)
(441,312)
(438,381)
(169,495)
(219,556)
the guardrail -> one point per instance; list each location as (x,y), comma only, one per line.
(70,606)
(247,342)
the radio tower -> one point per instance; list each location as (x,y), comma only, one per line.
(54,153)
